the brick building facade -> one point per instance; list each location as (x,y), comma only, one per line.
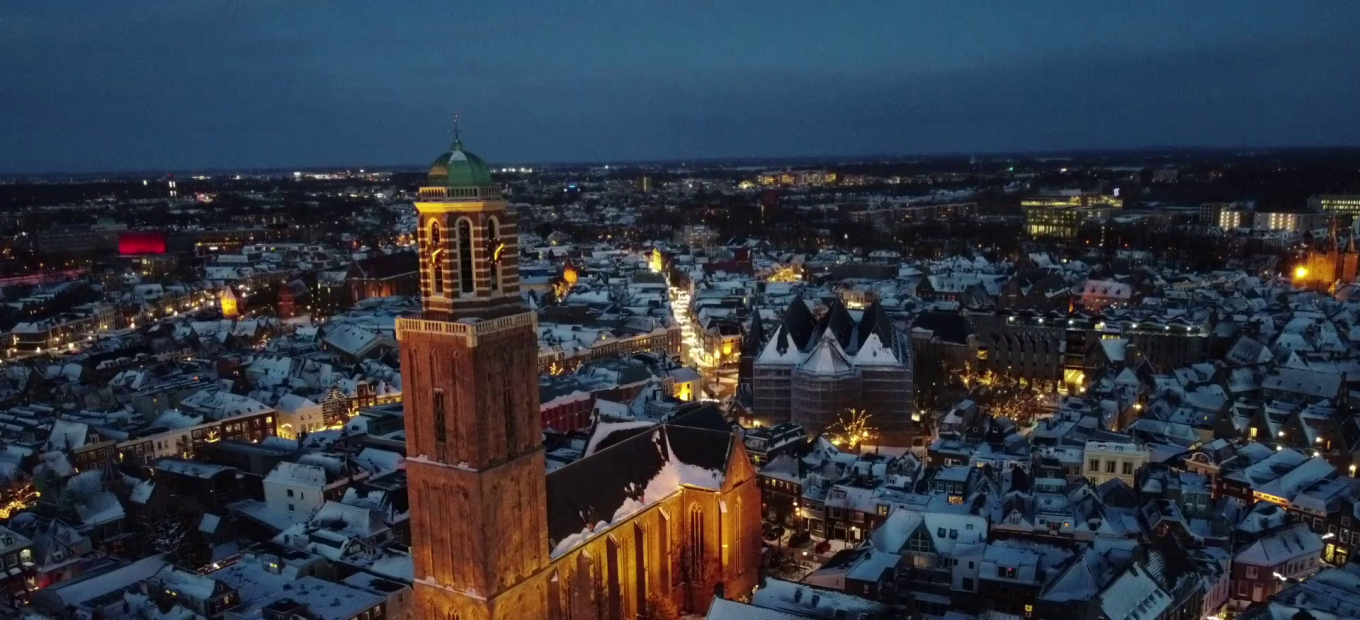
(671,512)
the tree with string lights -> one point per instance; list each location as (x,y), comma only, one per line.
(851,429)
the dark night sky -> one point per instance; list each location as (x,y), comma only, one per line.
(102,85)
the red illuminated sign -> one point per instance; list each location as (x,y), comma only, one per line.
(135,243)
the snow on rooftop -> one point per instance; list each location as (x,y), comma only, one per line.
(673,475)
(873,353)
(1134,596)
(77,592)
(196,469)
(297,474)
(324,600)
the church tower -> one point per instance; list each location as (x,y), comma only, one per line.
(473,433)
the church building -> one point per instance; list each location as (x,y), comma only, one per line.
(651,513)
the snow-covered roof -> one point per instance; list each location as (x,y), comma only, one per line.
(1134,596)
(1279,547)
(95,586)
(297,474)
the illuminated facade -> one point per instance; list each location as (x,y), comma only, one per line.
(1106,460)
(1062,215)
(1343,204)
(1230,219)
(231,305)
(1062,222)
(1321,270)
(1073,200)
(1287,221)
(494,536)
(798,177)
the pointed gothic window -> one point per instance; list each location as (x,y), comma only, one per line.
(640,567)
(465,267)
(614,589)
(663,550)
(737,530)
(555,597)
(695,548)
(587,585)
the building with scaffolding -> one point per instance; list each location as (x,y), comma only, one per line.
(814,368)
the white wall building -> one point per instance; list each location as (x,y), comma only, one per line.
(1113,459)
(293,487)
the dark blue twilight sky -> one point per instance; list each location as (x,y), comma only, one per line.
(100,85)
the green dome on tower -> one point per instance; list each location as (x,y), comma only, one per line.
(459,168)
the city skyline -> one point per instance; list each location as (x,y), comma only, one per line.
(223,86)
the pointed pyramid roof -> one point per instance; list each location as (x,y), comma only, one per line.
(755,337)
(780,349)
(840,323)
(873,353)
(827,358)
(799,323)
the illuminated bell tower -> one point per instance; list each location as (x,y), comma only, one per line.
(468,241)
(470,381)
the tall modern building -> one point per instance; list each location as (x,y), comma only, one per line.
(670,511)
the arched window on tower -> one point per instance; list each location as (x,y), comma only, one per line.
(435,251)
(494,248)
(465,267)
(437,272)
